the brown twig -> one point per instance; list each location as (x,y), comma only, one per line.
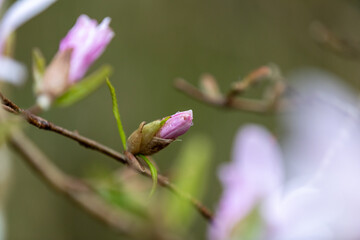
(89,143)
(210,93)
(75,189)
(243,85)
(249,105)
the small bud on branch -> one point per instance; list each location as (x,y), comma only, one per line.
(154,136)
(176,125)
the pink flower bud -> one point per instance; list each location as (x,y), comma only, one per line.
(176,125)
(88,39)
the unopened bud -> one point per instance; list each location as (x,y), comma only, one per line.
(154,136)
(176,125)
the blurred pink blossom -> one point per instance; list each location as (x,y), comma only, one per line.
(18,13)
(255,172)
(88,39)
(320,196)
(176,125)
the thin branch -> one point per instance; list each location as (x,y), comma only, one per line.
(250,80)
(249,105)
(209,91)
(89,143)
(75,189)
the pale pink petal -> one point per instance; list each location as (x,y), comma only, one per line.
(176,125)
(12,71)
(323,150)
(301,213)
(88,39)
(321,197)
(19,13)
(321,108)
(253,174)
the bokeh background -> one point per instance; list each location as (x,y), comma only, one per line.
(157,41)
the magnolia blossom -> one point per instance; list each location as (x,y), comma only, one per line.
(176,125)
(320,196)
(83,44)
(88,40)
(19,13)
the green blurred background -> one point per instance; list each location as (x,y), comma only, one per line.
(157,41)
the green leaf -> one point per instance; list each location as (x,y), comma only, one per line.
(116,113)
(116,190)
(123,200)
(190,175)
(153,171)
(38,68)
(84,87)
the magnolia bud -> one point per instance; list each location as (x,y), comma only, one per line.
(154,136)
(176,125)
(83,44)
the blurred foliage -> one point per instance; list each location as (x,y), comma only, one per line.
(85,87)
(157,41)
(5,130)
(191,175)
(113,190)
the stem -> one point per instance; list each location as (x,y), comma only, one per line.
(229,101)
(73,188)
(89,143)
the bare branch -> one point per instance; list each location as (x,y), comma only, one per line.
(229,101)
(74,189)
(89,143)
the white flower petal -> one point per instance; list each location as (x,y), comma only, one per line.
(12,71)
(19,13)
